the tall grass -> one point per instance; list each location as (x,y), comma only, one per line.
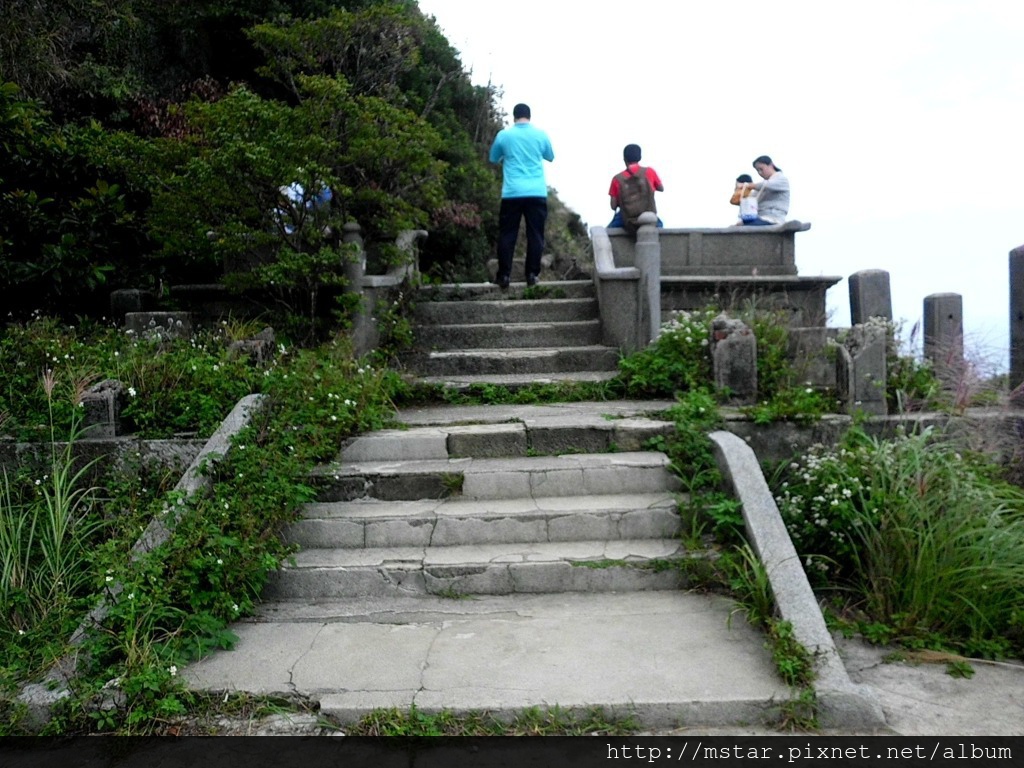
(45,528)
(929,538)
(945,553)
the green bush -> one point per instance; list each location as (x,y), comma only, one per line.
(678,360)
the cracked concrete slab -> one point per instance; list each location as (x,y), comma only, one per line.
(675,655)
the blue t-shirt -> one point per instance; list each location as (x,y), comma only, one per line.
(522,150)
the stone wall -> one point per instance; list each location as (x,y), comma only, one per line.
(719,251)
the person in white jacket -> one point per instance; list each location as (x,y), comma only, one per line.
(772,194)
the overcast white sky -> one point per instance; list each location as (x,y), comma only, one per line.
(898,122)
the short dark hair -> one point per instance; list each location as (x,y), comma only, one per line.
(520,110)
(631,153)
(765,160)
(745,178)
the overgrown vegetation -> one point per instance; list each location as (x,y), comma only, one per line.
(175,602)
(534,721)
(927,537)
(155,145)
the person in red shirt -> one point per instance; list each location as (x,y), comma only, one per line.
(631,155)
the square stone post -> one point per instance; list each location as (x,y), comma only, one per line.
(101,409)
(944,329)
(861,370)
(870,296)
(648,261)
(1017,318)
(734,359)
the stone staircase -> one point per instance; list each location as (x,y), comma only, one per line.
(497,558)
(491,559)
(491,509)
(476,333)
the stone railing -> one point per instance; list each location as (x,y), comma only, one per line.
(741,251)
(695,268)
(641,281)
(378,289)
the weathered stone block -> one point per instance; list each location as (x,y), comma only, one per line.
(944,335)
(734,358)
(870,296)
(861,370)
(130,300)
(813,357)
(259,349)
(101,409)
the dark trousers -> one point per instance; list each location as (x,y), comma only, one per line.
(513,210)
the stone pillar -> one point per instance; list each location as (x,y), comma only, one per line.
(353,256)
(101,409)
(1017,318)
(944,329)
(734,359)
(648,261)
(869,296)
(944,340)
(861,370)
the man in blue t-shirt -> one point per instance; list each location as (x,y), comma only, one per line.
(521,149)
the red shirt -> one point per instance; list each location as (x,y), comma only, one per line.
(652,179)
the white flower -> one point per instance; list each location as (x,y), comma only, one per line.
(110,578)
(173,670)
(235,607)
(219,561)
(131,392)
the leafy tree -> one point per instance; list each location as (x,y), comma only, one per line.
(66,225)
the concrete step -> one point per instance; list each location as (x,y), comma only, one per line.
(551,434)
(513,382)
(508,335)
(450,522)
(498,478)
(543,361)
(667,658)
(506,311)
(557,289)
(484,569)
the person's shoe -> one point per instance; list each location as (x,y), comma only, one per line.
(503,283)
(531,280)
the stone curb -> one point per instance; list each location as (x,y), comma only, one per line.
(841,702)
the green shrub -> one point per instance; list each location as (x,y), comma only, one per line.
(678,360)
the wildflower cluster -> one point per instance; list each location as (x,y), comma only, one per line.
(678,361)
(821,501)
